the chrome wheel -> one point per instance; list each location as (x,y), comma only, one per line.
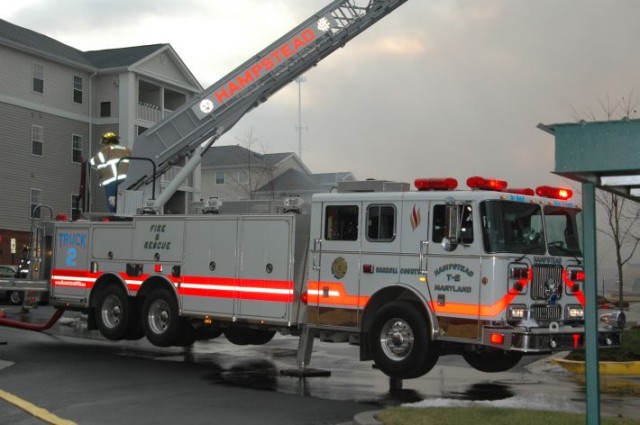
(159,317)
(397,339)
(111,311)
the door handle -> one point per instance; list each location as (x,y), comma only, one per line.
(317,246)
(424,246)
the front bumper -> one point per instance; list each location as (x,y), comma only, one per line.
(545,340)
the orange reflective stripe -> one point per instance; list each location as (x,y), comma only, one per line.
(238,288)
(476,310)
(333,294)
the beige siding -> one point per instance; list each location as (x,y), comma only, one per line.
(105,89)
(53,172)
(164,68)
(16,81)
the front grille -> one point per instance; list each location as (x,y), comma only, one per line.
(546,312)
(541,275)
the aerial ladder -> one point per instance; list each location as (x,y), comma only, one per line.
(187,134)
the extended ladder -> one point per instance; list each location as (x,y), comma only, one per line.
(184,133)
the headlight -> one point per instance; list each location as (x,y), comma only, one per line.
(574,312)
(516,312)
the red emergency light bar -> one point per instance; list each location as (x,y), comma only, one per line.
(521,191)
(448,183)
(554,192)
(481,183)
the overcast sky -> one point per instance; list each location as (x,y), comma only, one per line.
(437,88)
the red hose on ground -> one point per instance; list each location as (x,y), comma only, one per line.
(31,326)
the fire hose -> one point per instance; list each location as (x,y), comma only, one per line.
(31,326)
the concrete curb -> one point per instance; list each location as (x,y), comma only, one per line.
(366,418)
(605,367)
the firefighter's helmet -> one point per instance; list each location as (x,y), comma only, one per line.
(110,137)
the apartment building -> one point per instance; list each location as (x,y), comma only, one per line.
(55,102)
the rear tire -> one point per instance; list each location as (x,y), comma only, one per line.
(491,360)
(247,336)
(113,312)
(160,318)
(16,297)
(400,341)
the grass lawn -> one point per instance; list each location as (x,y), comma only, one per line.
(487,415)
(628,351)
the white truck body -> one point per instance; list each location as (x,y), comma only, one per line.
(333,271)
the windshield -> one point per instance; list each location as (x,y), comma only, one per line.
(562,231)
(513,227)
(517,227)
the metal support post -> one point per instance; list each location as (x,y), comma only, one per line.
(591,303)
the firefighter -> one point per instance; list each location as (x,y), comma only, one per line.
(110,172)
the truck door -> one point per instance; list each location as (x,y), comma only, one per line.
(454,273)
(265,274)
(210,267)
(334,279)
(380,262)
(413,228)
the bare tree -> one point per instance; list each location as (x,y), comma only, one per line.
(259,168)
(622,216)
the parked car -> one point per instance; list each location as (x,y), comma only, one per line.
(8,271)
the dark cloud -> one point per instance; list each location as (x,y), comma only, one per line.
(108,15)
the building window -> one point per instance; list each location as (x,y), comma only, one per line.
(243,177)
(37,140)
(219,177)
(76,148)
(75,207)
(341,223)
(35,200)
(105,109)
(381,223)
(77,89)
(38,78)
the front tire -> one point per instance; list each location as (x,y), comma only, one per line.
(400,341)
(491,360)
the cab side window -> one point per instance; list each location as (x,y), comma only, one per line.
(466,223)
(341,223)
(381,223)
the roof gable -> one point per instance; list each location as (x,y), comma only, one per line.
(107,59)
(232,156)
(292,180)
(123,57)
(16,36)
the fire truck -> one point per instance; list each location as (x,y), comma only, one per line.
(490,273)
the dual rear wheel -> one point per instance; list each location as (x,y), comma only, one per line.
(120,317)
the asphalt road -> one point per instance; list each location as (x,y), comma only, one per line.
(90,381)
(78,376)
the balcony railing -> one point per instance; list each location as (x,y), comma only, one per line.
(149,112)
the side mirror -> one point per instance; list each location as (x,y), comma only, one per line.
(448,244)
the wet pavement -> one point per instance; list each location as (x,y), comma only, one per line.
(535,383)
